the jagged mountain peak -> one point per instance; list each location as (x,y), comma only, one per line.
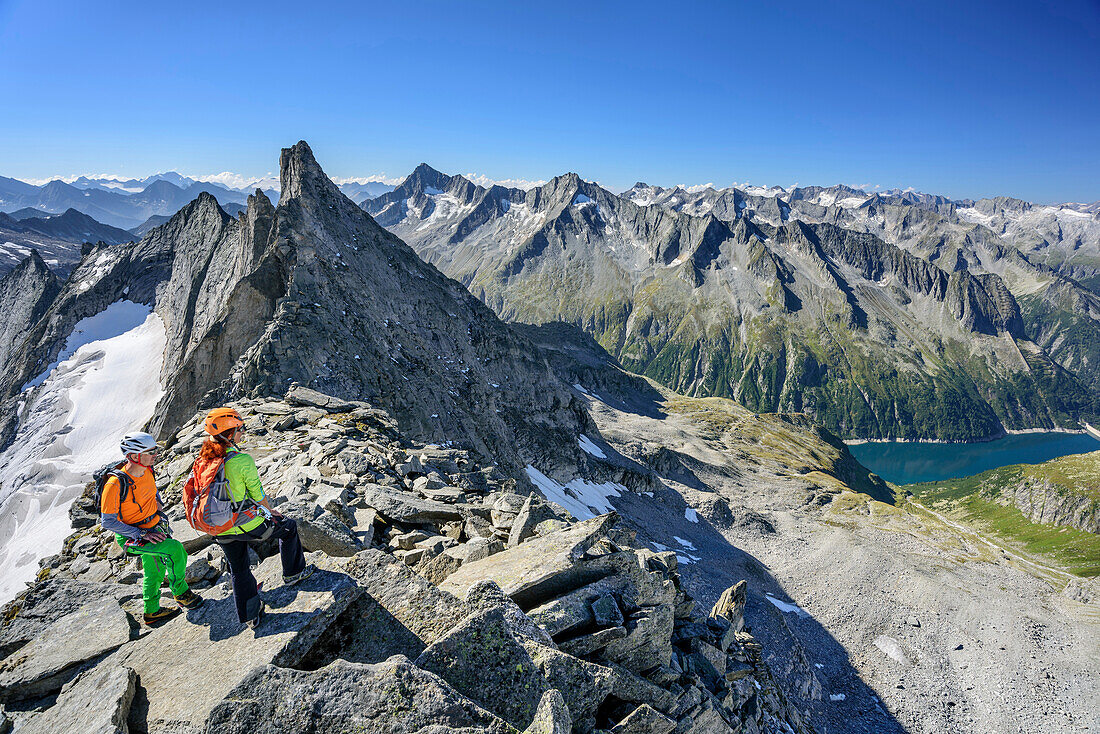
(300,175)
(25,294)
(32,263)
(160,187)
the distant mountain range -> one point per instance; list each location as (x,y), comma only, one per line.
(56,237)
(884,316)
(57,217)
(128,203)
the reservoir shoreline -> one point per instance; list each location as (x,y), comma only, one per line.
(909,462)
(999,436)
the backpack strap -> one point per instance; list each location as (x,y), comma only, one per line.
(125,482)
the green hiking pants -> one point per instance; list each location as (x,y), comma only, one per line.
(157,560)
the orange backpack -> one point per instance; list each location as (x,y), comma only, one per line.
(209,505)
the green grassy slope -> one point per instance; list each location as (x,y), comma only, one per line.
(982,500)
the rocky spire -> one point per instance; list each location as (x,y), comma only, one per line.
(25,294)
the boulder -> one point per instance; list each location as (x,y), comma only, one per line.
(97,702)
(731,605)
(648,641)
(587,644)
(583,685)
(296,617)
(539,569)
(481,659)
(606,611)
(200,569)
(399,612)
(405,507)
(63,649)
(355,462)
(322,531)
(303,396)
(486,595)
(534,511)
(349,698)
(408,541)
(552,715)
(334,499)
(550,526)
(437,569)
(475,549)
(447,495)
(644,720)
(477,527)
(41,606)
(634,688)
(411,465)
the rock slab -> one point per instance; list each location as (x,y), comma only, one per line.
(392,697)
(95,703)
(50,660)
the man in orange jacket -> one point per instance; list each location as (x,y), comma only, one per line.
(131,507)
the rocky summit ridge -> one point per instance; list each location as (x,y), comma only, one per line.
(445,601)
(312,291)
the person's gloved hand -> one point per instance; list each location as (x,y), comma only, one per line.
(154,536)
(164,528)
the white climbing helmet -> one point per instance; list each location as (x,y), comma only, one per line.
(137,443)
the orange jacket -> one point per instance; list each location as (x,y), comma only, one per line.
(141,505)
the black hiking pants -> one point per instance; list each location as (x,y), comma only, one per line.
(245,594)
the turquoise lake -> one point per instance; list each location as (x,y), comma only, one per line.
(903,462)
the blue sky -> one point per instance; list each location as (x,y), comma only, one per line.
(965,99)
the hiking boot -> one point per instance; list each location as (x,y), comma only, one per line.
(159,617)
(302,575)
(255,621)
(189,600)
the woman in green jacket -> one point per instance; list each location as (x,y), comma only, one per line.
(225,427)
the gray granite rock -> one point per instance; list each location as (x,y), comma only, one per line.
(552,716)
(46,603)
(391,697)
(97,702)
(52,658)
(539,569)
(322,531)
(534,511)
(303,396)
(481,659)
(583,685)
(406,507)
(296,616)
(645,720)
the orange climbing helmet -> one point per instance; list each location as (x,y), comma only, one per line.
(220,420)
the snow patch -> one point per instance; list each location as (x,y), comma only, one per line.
(837,697)
(581,199)
(691,515)
(69,428)
(784,606)
(590,448)
(893,650)
(582,498)
(686,543)
(118,318)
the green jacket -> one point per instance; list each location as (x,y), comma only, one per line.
(243,479)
